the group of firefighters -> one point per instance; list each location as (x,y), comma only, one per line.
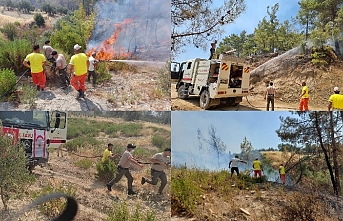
(80,66)
(159,162)
(257,166)
(335,101)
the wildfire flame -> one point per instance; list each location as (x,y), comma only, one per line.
(106,50)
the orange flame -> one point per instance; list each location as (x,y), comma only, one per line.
(106,50)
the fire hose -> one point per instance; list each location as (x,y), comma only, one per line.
(67,215)
(14,84)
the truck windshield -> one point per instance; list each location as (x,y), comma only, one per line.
(25,119)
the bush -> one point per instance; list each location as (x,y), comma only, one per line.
(39,19)
(120,212)
(10,31)
(13,53)
(106,170)
(164,80)
(29,96)
(301,206)
(7,81)
(160,142)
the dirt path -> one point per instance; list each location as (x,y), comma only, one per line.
(253,102)
(124,91)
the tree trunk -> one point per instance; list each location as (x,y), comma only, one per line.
(327,160)
(334,154)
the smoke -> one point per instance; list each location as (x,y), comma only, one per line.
(133,27)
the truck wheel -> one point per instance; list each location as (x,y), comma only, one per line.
(181,92)
(205,100)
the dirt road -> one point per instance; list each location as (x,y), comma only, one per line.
(253,102)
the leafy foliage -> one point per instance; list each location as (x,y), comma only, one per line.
(39,19)
(10,31)
(73,30)
(106,170)
(13,53)
(14,174)
(7,80)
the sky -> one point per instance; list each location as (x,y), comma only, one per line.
(258,127)
(255,11)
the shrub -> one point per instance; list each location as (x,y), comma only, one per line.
(160,141)
(106,170)
(120,212)
(103,72)
(10,31)
(73,145)
(300,206)
(29,96)
(39,19)
(13,53)
(164,80)
(7,81)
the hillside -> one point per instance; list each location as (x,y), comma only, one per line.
(204,195)
(73,171)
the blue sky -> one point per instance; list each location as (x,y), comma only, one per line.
(255,11)
(258,127)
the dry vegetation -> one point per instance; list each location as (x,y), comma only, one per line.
(76,175)
(206,195)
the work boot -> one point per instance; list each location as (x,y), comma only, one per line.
(131,192)
(109,187)
(82,94)
(79,95)
(143,180)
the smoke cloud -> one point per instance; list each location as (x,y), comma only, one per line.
(136,28)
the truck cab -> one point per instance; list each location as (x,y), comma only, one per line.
(37,131)
(218,80)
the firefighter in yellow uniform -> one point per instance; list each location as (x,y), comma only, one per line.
(79,64)
(257,167)
(282,173)
(108,153)
(335,100)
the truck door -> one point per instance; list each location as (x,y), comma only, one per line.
(175,70)
(58,129)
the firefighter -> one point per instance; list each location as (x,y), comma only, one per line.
(335,100)
(270,95)
(79,64)
(303,96)
(124,169)
(108,153)
(61,69)
(35,61)
(257,168)
(160,162)
(213,49)
(91,69)
(47,51)
(235,162)
(282,173)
